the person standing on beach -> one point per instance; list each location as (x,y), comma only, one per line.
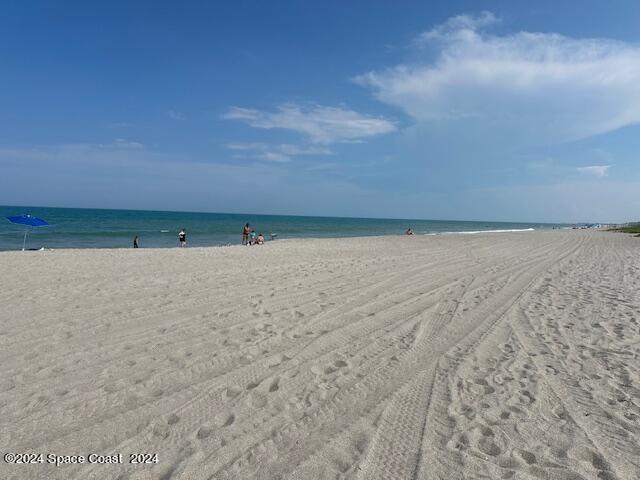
(135,241)
(245,234)
(182,237)
(252,237)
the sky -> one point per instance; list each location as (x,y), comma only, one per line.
(462,110)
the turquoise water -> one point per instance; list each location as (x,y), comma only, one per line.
(90,228)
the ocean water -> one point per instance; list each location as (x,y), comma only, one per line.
(92,228)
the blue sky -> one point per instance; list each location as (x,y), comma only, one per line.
(514,110)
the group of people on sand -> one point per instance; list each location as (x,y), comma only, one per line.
(249,236)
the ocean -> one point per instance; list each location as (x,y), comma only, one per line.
(97,228)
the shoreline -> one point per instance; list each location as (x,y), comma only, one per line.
(82,228)
(290,239)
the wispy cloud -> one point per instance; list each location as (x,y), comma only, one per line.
(321,124)
(459,25)
(91,157)
(595,170)
(174,115)
(60,174)
(283,152)
(80,153)
(325,167)
(117,144)
(122,143)
(537,88)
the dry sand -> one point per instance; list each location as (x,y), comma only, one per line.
(505,356)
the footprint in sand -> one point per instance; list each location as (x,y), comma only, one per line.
(158,392)
(277,360)
(204,432)
(160,430)
(527,457)
(233,391)
(275,385)
(252,385)
(487,446)
(229,420)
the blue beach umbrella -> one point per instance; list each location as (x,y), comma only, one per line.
(29,221)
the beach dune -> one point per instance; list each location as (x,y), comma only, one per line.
(504,355)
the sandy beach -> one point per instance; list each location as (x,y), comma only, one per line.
(499,356)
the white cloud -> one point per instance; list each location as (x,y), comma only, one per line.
(460,25)
(595,170)
(321,124)
(527,88)
(176,115)
(283,152)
